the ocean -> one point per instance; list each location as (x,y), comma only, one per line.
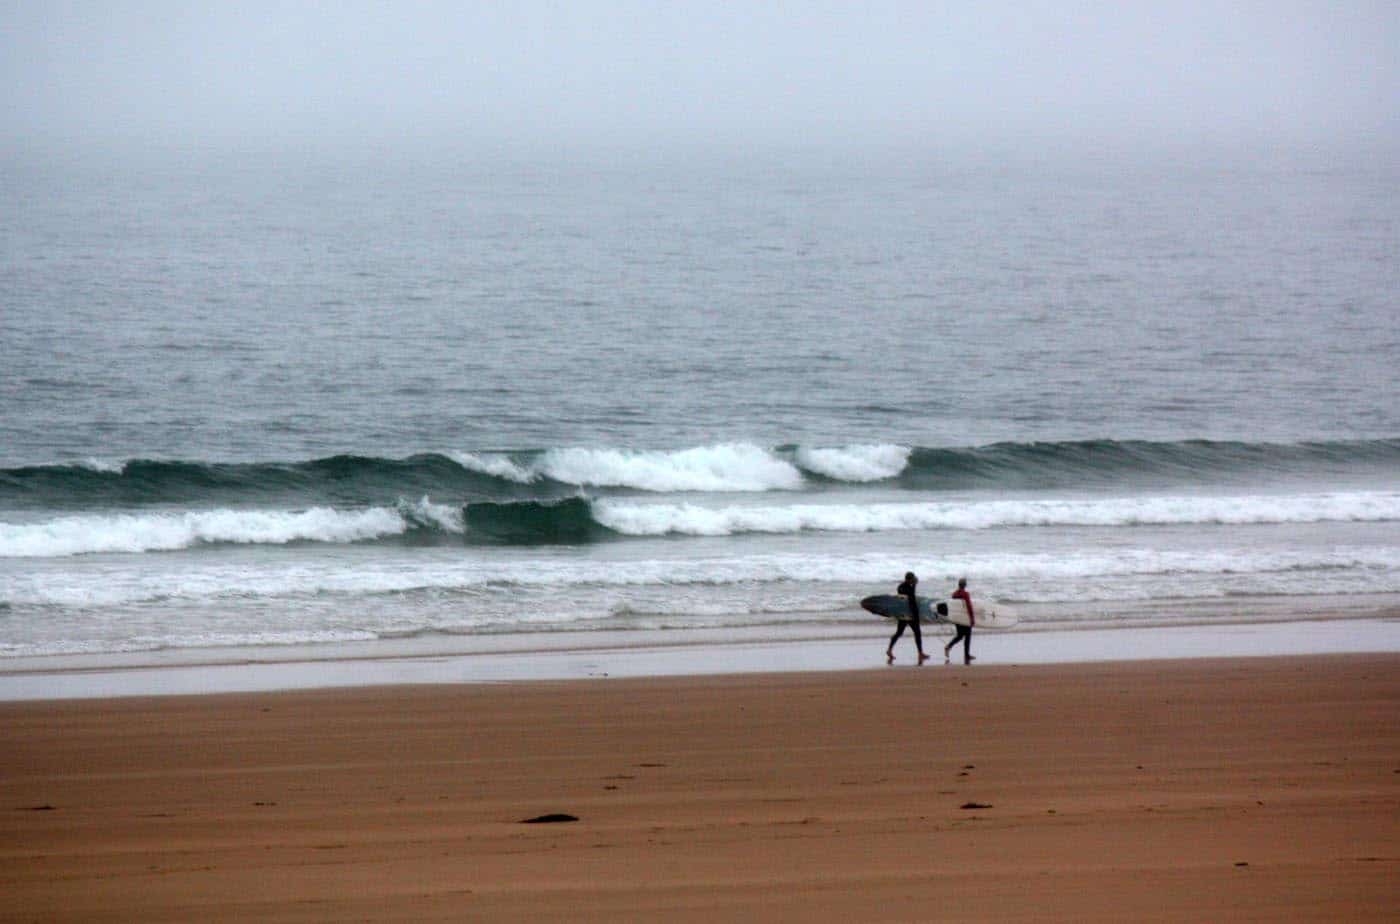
(263,404)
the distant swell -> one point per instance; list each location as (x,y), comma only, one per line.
(1098,463)
(552,475)
(337,480)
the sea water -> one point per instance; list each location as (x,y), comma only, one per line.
(269,404)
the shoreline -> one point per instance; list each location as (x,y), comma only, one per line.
(577,656)
(1197,789)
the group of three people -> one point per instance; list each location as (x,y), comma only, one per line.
(964,633)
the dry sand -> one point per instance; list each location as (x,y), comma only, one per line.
(1264,789)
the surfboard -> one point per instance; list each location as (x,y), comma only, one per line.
(989,615)
(893,606)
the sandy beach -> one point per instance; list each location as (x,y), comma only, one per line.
(1243,789)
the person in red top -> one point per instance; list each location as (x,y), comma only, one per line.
(964,633)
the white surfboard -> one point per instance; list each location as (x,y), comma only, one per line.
(989,615)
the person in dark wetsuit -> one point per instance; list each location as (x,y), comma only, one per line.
(964,633)
(907,591)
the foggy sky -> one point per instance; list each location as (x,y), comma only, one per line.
(1245,78)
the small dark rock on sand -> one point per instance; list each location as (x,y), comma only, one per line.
(551,818)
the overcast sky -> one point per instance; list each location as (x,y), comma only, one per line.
(517,75)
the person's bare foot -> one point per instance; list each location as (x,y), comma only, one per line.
(889,657)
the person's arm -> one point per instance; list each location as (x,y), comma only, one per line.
(907,592)
(966,598)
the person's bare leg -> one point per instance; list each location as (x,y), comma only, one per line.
(889,652)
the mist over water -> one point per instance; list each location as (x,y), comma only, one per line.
(636,82)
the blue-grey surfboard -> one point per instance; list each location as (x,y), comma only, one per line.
(893,606)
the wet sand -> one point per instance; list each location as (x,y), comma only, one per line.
(1242,789)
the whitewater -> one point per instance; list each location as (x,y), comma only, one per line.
(730,536)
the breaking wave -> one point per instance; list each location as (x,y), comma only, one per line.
(580,520)
(157,532)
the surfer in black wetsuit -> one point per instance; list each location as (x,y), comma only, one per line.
(907,590)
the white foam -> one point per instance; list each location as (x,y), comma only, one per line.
(657,519)
(440,516)
(859,463)
(105,466)
(725,467)
(78,535)
(494,465)
(1126,573)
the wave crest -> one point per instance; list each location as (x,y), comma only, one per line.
(497,466)
(725,467)
(155,532)
(860,463)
